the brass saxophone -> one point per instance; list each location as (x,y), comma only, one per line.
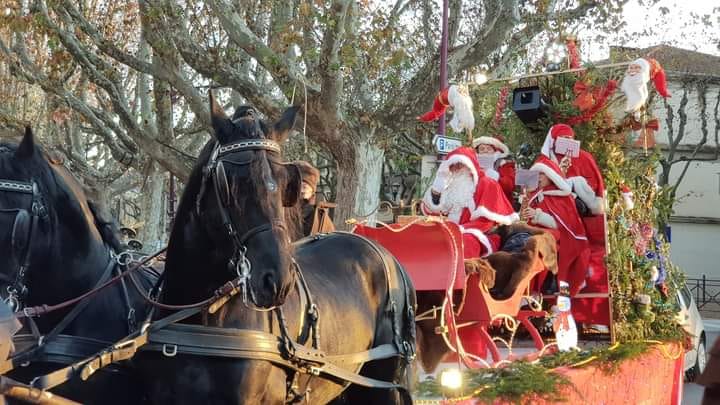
(524,202)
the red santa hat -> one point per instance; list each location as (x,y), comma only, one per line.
(489,201)
(496,142)
(554,132)
(651,70)
(549,168)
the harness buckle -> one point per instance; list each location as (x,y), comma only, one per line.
(315,370)
(169,350)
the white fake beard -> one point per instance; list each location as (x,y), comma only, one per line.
(457,191)
(635,90)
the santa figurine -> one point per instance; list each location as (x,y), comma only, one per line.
(566,335)
(457,97)
(493,157)
(468,197)
(551,206)
(634,84)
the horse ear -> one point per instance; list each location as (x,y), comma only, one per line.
(27,145)
(282,127)
(220,121)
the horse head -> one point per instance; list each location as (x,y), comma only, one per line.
(41,206)
(245,198)
(24,215)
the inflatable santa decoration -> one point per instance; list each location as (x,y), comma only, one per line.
(496,164)
(468,197)
(634,84)
(457,97)
(551,206)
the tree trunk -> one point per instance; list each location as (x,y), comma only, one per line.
(152,234)
(346,181)
(369,158)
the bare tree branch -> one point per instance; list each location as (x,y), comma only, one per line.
(280,68)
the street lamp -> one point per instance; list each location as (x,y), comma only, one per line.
(554,55)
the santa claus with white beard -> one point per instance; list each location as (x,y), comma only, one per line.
(469,198)
(634,84)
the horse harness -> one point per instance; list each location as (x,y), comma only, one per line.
(167,336)
(239,153)
(53,345)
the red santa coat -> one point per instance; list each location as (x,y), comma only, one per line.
(485,207)
(507,178)
(556,201)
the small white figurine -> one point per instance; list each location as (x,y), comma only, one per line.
(563,322)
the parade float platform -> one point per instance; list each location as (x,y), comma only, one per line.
(654,377)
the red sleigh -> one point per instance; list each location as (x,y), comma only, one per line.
(431,253)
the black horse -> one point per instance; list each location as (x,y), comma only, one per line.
(56,248)
(235,219)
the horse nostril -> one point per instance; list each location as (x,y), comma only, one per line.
(435,197)
(269,283)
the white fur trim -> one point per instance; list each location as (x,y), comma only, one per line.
(541,194)
(578,237)
(489,140)
(555,177)
(492,173)
(463,117)
(464,160)
(547,146)
(480,237)
(583,190)
(481,211)
(544,219)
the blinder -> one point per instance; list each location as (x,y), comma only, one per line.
(24,225)
(221,184)
(21,232)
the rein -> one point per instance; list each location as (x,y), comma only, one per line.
(36,311)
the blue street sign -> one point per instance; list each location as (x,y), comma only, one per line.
(445,145)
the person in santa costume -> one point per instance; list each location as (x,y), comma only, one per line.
(462,191)
(551,206)
(497,165)
(587,183)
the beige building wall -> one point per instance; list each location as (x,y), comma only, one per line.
(695,245)
(695,248)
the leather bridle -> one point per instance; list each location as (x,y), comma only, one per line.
(25,226)
(214,171)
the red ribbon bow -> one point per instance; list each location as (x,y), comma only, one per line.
(652,124)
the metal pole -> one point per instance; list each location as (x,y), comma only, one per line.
(171,203)
(443,60)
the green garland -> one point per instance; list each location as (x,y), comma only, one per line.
(524,382)
(519,382)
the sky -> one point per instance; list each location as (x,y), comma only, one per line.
(669,22)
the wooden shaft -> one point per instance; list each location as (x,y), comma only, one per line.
(14,389)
